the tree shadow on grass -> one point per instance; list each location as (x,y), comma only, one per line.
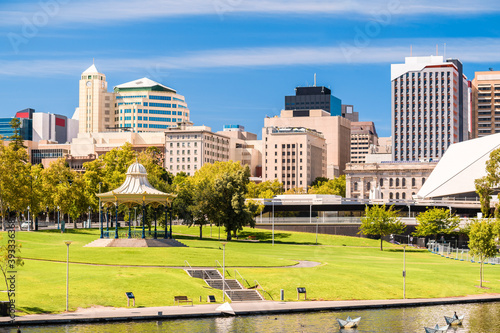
(244,236)
(407,250)
(71,231)
(267,237)
(32,310)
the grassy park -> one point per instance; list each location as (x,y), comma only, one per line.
(351,268)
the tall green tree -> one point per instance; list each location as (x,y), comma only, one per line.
(380,221)
(14,180)
(16,139)
(69,190)
(216,194)
(484,190)
(435,221)
(482,243)
(335,186)
(486,185)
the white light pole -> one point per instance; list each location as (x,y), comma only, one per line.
(404,272)
(67,273)
(223,271)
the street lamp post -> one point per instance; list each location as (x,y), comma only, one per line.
(58,211)
(29,218)
(67,272)
(404,272)
(223,271)
(89,217)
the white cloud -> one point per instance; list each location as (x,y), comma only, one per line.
(476,50)
(112,11)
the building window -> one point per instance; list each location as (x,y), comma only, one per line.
(413,183)
(403,195)
(390,196)
(355,186)
(381,182)
(397,196)
(397,182)
(391,183)
(403,181)
(423,181)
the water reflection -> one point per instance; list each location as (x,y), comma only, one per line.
(478,318)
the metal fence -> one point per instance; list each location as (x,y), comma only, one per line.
(135,234)
(447,251)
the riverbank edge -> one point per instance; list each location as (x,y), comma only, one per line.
(240,308)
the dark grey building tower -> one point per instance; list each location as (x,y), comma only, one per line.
(312,98)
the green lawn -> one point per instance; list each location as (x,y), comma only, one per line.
(351,268)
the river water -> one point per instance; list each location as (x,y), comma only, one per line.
(479,318)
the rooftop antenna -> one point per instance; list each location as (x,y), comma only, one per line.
(411,50)
(444,51)
(437,49)
(93,61)
(314,79)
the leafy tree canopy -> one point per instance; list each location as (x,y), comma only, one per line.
(335,186)
(436,221)
(380,221)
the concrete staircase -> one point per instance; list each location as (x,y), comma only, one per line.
(233,288)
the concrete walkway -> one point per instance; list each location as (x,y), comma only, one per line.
(102,314)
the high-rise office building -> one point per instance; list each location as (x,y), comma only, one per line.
(430,107)
(96,103)
(141,105)
(336,132)
(363,137)
(485,114)
(313,98)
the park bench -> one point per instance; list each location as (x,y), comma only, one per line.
(182,299)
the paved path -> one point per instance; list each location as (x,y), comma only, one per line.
(240,308)
(301,264)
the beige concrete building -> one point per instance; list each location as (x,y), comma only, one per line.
(96,107)
(335,130)
(141,105)
(244,147)
(393,180)
(485,99)
(294,156)
(363,136)
(188,148)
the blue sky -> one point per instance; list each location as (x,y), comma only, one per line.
(234,60)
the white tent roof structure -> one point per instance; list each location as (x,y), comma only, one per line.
(136,190)
(461,164)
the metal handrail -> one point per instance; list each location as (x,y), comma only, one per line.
(242,278)
(186,262)
(258,284)
(218,263)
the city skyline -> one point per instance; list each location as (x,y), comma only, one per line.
(234,61)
